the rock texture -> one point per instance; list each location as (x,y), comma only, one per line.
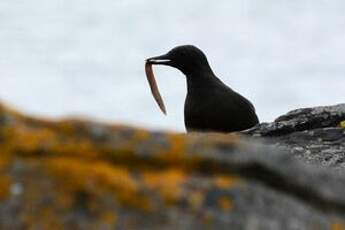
(315,135)
(75,174)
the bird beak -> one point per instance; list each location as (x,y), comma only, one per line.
(159,60)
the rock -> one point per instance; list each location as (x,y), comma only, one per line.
(315,135)
(75,174)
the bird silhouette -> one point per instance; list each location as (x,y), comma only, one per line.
(210,105)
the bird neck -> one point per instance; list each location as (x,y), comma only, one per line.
(201,79)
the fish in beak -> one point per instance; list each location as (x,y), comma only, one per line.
(152,82)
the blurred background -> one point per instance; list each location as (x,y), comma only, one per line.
(86,58)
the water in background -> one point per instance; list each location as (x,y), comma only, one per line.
(86,58)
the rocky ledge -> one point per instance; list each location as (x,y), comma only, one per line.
(75,174)
(315,135)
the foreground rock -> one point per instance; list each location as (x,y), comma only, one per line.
(76,174)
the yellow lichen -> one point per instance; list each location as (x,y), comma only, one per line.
(342,124)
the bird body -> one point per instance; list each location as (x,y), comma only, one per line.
(210,105)
(217,108)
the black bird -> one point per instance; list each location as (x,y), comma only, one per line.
(210,105)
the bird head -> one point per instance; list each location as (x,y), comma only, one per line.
(187,58)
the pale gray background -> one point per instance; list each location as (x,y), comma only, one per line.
(86,58)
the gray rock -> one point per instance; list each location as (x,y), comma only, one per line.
(311,134)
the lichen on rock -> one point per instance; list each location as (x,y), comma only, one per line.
(78,174)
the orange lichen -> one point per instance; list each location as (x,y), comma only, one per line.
(7,109)
(225,203)
(45,218)
(29,139)
(109,218)
(100,172)
(3,163)
(175,150)
(35,137)
(219,138)
(338,226)
(168,183)
(5,184)
(96,169)
(196,199)
(225,181)
(96,178)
